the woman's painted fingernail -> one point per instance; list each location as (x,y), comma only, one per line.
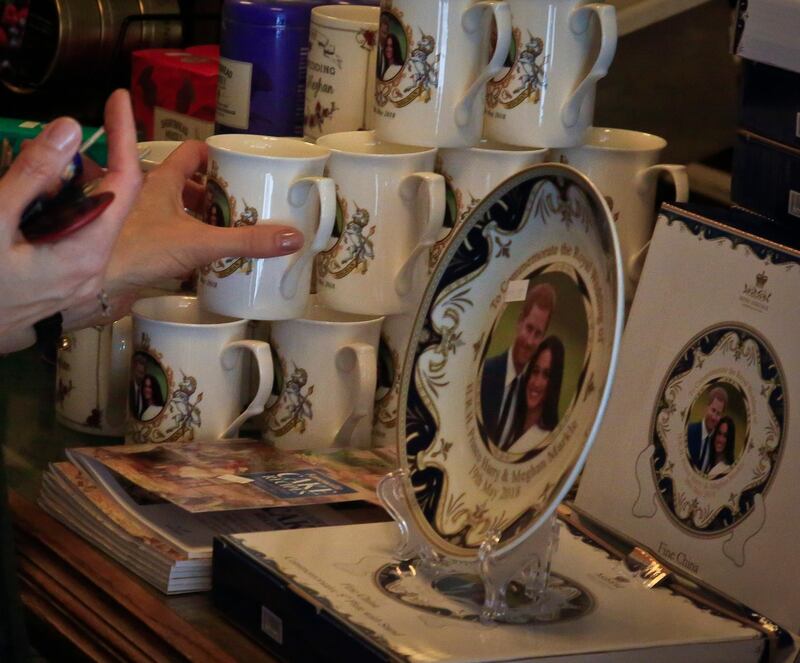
(289,241)
(62,133)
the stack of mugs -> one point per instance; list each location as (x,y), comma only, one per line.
(459,95)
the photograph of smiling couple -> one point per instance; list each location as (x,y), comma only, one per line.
(533,365)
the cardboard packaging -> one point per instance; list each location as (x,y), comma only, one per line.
(770,103)
(174,93)
(766,178)
(766,31)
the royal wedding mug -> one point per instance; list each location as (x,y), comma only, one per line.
(433,63)
(265,180)
(92,378)
(341,61)
(395,335)
(470,173)
(326,368)
(544,95)
(624,166)
(186,374)
(390,209)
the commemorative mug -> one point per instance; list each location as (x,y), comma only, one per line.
(470,174)
(186,374)
(390,209)
(265,180)
(341,59)
(543,96)
(92,378)
(395,335)
(624,166)
(325,372)
(433,62)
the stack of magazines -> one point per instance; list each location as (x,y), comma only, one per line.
(156,508)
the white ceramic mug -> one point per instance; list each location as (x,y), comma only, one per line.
(470,174)
(433,63)
(624,166)
(92,378)
(327,372)
(187,373)
(390,212)
(395,334)
(265,180)
(153,152)
(544,96)
(341,61)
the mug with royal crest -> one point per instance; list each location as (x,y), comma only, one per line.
(433,62)
(187,373)
(325,372)
(265,180)
(544,93)
(390,212)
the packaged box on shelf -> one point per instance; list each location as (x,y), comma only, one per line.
(174,92)
(766,31)
(770,103)
(766,178)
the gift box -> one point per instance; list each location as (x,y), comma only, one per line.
(174,93)
(766,31)
(766,178)
(770,103)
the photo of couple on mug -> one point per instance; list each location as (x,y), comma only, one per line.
(533,365)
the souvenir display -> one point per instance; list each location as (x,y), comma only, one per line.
(698,439)
(259,179)
(186,373)
(390,209)
(325,374)
(543,95)
(395,334)
(510,362)
(624,166)
(366,605)
(341,59)
(434,59)
(92,378)
(470,173)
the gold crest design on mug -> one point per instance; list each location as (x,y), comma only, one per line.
(523,75)
(294,406)
(154,400)
(220,210)
(406,70)
(353,250)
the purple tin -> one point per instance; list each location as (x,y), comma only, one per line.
(262,72)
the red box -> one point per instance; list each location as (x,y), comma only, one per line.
(174,93)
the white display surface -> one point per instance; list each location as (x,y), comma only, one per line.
(715,310)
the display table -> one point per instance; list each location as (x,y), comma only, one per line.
(80,603)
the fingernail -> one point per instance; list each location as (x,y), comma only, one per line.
(62,133)
(289,241)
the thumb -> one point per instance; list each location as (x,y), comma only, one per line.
(38,167)
(260,241)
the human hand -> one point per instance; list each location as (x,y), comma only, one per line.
(41,279)
(160,240)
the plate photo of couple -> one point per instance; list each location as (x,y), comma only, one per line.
(534,364)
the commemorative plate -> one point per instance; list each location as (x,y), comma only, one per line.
(511,360)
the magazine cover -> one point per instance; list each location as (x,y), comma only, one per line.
(698,438)
(241,474)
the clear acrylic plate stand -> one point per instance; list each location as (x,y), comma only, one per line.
(527,563)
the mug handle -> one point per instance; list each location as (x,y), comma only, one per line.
(119,368)
(425,189)
(298,196)
(367,375)
(263,356)
(680,178)
(578,24)
(471,22)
